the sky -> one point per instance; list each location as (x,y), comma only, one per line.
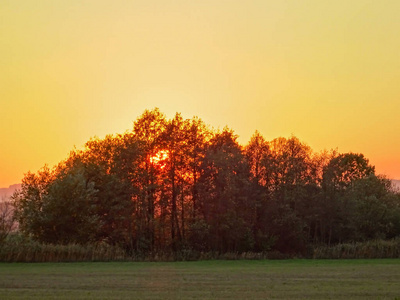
(327,72)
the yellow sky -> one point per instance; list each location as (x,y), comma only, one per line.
(327,72)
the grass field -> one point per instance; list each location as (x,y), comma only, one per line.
(263,279)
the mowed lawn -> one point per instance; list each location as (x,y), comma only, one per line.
(285,279)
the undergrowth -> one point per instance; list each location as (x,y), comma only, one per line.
(17,248)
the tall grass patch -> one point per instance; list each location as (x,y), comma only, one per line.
(365,250)
(17,248)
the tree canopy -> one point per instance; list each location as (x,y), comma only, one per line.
(174,184)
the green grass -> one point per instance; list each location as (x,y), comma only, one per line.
(259,279)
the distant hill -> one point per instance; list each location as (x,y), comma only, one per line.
(7,192)
(396,184)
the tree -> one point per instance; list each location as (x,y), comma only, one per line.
(256,151)
(174,143)
(197,137)
(197,141)
(290,179)
(369,219)
(68,210)
(344,169)
(223,190)
(113,164)
(339,178)
(28,201)
(147,130)
(63,212)
(290,167)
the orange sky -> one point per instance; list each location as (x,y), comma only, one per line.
(327,72)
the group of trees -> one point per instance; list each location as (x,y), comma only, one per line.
(169,185)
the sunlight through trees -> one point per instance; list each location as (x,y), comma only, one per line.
(171,185)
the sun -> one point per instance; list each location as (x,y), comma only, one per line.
(159,159)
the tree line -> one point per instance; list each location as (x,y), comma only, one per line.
(175,184)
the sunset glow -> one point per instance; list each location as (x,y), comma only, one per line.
(327,72)
(158,160)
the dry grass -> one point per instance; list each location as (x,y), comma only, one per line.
(364,250)
(20,249)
